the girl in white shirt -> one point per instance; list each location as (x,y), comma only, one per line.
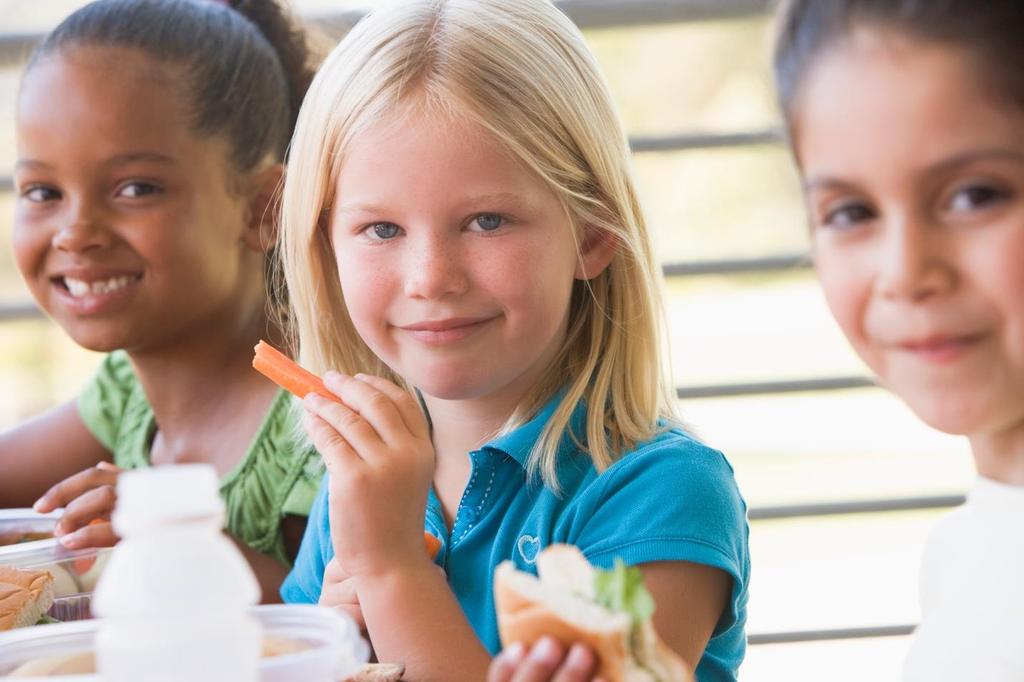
(907,123)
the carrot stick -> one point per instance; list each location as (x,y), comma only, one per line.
(432,543)
(284,372)
(287,374)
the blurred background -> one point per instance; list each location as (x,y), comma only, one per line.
(842,481)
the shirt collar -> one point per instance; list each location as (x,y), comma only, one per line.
(518,443)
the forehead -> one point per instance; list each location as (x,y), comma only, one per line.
(877,93)
(416,146)
(103,93)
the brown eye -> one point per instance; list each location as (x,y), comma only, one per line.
(135,190)
(975,197)
(40,194)
(848,215)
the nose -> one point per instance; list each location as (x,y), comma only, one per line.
(915,261)
(80,228)
(435,268)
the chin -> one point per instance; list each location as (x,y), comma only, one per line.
(98,340)
(452,386)
(956,417)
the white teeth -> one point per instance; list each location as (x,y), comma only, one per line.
(80,288)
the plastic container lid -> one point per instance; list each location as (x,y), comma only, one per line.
(158,495)
(75,571)
(334,647)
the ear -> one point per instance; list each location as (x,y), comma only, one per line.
(596,252)
(264,193)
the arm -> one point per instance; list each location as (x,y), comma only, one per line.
(44,450)
(377,449)
(690,599)
(412,616)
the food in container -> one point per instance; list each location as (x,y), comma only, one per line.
(74,572)
(302,642)
(25,595)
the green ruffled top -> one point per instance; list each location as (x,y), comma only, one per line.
(277,476)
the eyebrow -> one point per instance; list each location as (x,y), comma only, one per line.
(31,164)
(119,160)
(479,201)
(966,158)
(139,157)
(944,166)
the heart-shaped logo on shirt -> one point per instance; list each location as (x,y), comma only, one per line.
(529,548)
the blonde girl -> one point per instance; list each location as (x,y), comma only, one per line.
(470,269)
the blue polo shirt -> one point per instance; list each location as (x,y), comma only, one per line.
(670,499)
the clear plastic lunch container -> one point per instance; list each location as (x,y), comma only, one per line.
(26,541)
(301,642)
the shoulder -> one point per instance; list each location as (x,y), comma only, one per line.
(675,460)
(672,488)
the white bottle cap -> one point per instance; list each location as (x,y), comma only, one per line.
(159,495)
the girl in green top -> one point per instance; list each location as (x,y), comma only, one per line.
(150,146)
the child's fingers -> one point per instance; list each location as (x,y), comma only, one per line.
(72,487)
(97,503)
(340,593)
(376,407)
(355,613)
(333,572)
(406,404)
(347,423)
(505,664)
(332,446)
(541,662)
(96,534)
(579,665)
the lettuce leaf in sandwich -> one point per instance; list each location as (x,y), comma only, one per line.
(608,610)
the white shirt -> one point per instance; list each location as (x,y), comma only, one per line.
(972,592)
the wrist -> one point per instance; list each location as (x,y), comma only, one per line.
(411,574)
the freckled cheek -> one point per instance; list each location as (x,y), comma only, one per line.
(368,291)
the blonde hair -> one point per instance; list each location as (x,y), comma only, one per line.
(520,69)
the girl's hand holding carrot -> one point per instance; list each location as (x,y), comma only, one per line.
(88,499)
(377,448)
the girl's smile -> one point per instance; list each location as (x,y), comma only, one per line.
(446,331)
(87,291)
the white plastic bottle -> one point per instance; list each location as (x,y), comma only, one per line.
(175,598)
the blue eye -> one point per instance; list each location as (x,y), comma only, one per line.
(488,222)
(384,231)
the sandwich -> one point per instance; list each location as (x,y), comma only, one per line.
(25,596)
(378,672)
(570,600)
